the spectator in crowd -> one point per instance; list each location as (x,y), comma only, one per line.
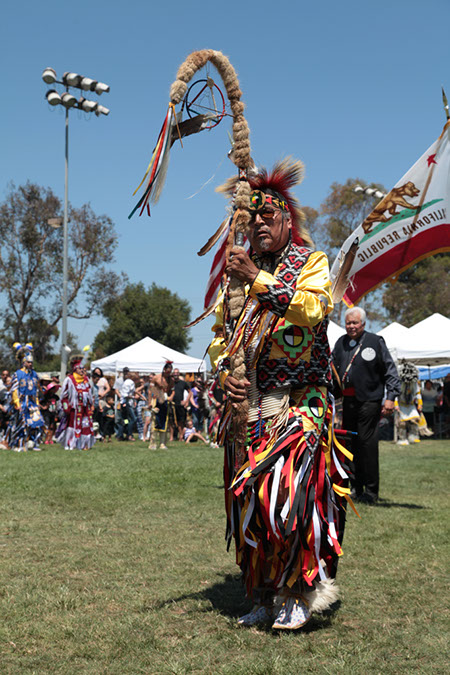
(103,385)
(97,374)
(190,433)
(429,397)
(141,398)
(197,403)
(128,403)
(119,424)
(49,406)
(446,406)
(163,390)
(4,376)
(5,409)
(76,430)
(109,417)
(365,368)
(180,399)
(148,410)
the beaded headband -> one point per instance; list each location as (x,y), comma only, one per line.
(258,199)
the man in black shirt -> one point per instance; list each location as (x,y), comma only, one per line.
(180,401)
(365,368)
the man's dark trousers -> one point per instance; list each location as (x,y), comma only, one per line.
(364,417)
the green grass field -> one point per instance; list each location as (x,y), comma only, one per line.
(113,561)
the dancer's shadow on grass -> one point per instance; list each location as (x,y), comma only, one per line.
(387,504)
(227,598)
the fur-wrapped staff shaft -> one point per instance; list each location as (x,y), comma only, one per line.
(157,169)
(243,161)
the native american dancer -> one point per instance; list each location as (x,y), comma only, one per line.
(285,479)
(163,394)
(286,486)
(411,423)
(76,430)
(26,421)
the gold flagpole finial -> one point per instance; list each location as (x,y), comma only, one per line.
(444,99)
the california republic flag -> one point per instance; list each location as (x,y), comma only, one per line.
(410,223)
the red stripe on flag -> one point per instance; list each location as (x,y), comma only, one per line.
(397,260)
(215,274)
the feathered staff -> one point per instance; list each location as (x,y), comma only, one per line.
(157,168)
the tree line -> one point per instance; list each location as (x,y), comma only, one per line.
(31,254)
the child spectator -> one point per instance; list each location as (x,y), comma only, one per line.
(108,418)
(49,406)
(190,433)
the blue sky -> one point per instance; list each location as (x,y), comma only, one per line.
(352,89)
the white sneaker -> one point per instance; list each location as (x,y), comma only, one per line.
(294,614)
(259,615)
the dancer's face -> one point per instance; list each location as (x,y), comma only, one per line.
(269,229)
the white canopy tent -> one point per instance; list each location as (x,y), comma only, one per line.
(148,356)
(395,335)
(428,342)
(334,333)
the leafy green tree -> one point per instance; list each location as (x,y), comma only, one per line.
(421,290)
(31,258)
(341,213)
(138,312)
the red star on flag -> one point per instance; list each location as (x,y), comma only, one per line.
(431,160)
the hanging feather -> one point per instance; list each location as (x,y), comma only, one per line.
(209,310)
(158,164)
(340,282)
(191,126)
(214,238)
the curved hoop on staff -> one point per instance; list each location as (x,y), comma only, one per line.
(156,171)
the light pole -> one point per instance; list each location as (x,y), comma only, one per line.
(68,101)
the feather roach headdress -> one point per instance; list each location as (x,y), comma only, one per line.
(285,175)
(408,372)
(23,352)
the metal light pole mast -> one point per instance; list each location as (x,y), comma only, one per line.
(67,100)
(64,352)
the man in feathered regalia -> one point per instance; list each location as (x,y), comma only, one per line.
(26,422)
(410,420)
(286,484)
(76,430)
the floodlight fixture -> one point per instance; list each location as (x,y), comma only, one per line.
(86,105)
(369,191)
(72,79)
(55,222)
(68,100)
(49,76)
(53,97)
(101,88)
(87,84)
(101,110)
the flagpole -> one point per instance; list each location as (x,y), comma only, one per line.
(444,99)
